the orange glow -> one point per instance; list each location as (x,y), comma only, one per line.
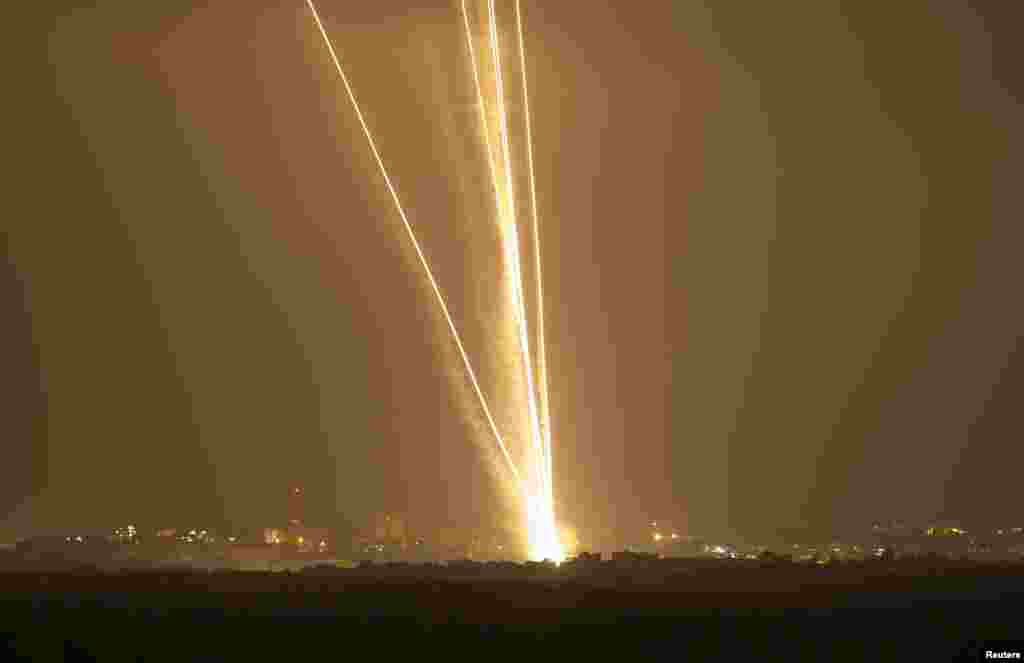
(538,507)
(534,484)
(415,243)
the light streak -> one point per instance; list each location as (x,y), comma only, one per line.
(535,513)
(537,493)
(416,246)
(506,218)
(481,106)
(511,237)
(543,534)
(542,363)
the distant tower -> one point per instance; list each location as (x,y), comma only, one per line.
(296,506)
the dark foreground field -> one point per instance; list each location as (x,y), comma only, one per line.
(729,612)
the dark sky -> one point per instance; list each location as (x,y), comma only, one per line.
(780,249)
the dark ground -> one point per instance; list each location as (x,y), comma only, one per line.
(922,610)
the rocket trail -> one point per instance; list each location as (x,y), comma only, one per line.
(539,502)
(536,485)
(512,248)
(504,206)
(481,106)
(542,363)
(416,246)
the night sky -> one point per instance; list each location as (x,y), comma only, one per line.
(780,239)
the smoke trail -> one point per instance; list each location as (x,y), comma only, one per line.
(512,248)
(506,214)
(416,246)
(481,106)
(539,505)
(542,363)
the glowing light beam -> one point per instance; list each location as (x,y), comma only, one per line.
(511,237)
(416,245)
(537,492)
(542,362)
(481,106)
(543,534)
